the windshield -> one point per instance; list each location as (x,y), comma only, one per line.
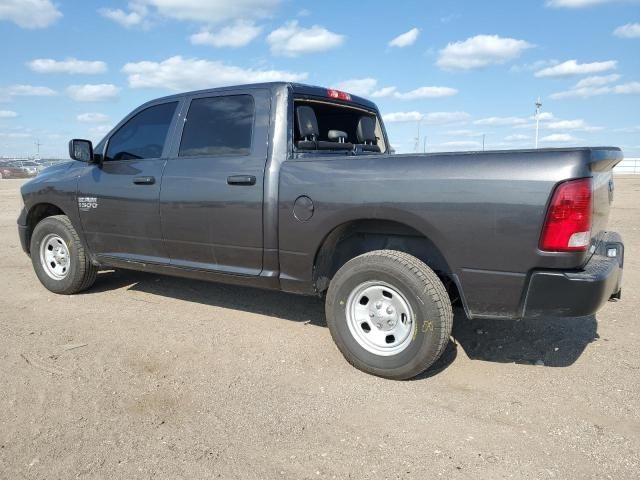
(323,125)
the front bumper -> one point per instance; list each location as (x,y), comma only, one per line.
(23,231)
(578,293)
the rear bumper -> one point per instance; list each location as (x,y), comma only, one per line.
(578,293)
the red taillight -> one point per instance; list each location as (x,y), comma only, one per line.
(338,94)
(567,227)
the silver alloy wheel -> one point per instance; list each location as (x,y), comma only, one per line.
(54,256)
(380,318)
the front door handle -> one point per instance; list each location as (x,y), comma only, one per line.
(144,180)
(241,180)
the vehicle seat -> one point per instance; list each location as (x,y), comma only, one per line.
(309,132)
(366,133)
(308,128)
(338,139)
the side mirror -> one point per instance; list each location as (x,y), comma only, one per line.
(81,150)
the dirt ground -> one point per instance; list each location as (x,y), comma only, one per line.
(155,377)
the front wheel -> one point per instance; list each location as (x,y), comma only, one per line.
(59,257)
(389,314)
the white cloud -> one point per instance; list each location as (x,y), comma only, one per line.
(8,114)
(93,92)
(578,124)
(596,89)
(433,118)
(99,131)
(537,65)
(559,138)
(238,34)
(369,87)
(634,129)
(442,118)
(210,12)
(358,86)
(630,30)
(463,133)
(125,19)
(627,88)
(292,40)
(516,137)
(29,13)
(461,144)
(14,135)
(575,3)
(397,117)
(543,116)
(179,73)
(500,121)
(7,93)
(572,67)
(597,80)
(70,65)
(405,39)
(480,51)
(383,92)
(426,92)
(92,117)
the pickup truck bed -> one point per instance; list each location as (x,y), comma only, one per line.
(482,231)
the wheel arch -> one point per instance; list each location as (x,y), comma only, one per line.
(36,214)
(359,236)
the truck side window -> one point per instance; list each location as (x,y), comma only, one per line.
(144,135)
(218,126)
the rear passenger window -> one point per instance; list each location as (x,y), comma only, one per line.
(218,126)
(143,135)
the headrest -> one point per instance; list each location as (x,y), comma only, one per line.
(337,135)
(307,122)
(366,131)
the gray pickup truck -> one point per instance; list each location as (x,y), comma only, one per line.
(292,187)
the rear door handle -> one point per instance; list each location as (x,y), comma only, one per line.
(144,180)
(241,180)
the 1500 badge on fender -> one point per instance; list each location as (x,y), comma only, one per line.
(87,203)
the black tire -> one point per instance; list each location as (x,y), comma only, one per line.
(82,273)
(422,289)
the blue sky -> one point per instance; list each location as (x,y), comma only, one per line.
(455,70)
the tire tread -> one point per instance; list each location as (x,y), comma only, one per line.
(87,272)
(433,287)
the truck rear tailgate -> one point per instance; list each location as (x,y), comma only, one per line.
(601,163)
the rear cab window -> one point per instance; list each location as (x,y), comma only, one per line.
(324,126)
(218,126)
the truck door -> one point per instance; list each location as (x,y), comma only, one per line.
(212,188)
(118,200)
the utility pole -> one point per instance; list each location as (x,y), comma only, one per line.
(417,144)
(483,135)
(38,144)
(538,107)
(424,145)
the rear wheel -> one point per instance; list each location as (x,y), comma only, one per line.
(389,314)
(59,258)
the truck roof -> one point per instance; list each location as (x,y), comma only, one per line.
(297,88)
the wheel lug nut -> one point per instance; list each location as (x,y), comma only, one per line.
(378,305)
(389,310)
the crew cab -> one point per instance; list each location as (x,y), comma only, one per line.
(292,187)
